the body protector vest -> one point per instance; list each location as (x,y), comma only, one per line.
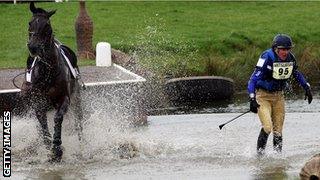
(271,73)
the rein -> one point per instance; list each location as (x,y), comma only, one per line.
(25,72)
(37,58)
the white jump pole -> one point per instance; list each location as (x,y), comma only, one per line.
(103,54)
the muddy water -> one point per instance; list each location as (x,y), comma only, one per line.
(170,147)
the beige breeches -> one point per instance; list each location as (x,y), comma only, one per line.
(271,111)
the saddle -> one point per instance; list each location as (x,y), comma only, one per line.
(72,65)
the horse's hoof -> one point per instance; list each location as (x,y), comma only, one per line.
(57,153)
(54,159)
(57,150)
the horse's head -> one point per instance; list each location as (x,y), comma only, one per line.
(40,30)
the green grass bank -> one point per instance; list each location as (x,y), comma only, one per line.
(179,38)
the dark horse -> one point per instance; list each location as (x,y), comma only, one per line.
(50,82)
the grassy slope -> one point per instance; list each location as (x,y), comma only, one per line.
(179,38)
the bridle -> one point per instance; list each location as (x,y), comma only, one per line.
(38,58)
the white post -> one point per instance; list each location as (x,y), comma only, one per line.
(14,1)
(103,54)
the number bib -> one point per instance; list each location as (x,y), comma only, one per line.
(282,70)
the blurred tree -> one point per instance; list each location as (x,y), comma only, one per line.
(84,32)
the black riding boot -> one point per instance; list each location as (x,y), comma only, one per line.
(277,142)
(262,142)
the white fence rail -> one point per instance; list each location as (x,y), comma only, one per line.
(15,1)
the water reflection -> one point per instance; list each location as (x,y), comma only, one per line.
(270,168)
(273,172)
(51,174)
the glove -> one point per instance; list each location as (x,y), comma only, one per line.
(254,105)
(308,95)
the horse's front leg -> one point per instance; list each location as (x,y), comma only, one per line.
(58,119)
(44,131)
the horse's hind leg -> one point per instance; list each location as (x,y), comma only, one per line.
(42,118)
(58,118)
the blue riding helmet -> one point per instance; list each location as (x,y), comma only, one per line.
(282,41)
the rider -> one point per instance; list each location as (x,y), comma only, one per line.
(275,66)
